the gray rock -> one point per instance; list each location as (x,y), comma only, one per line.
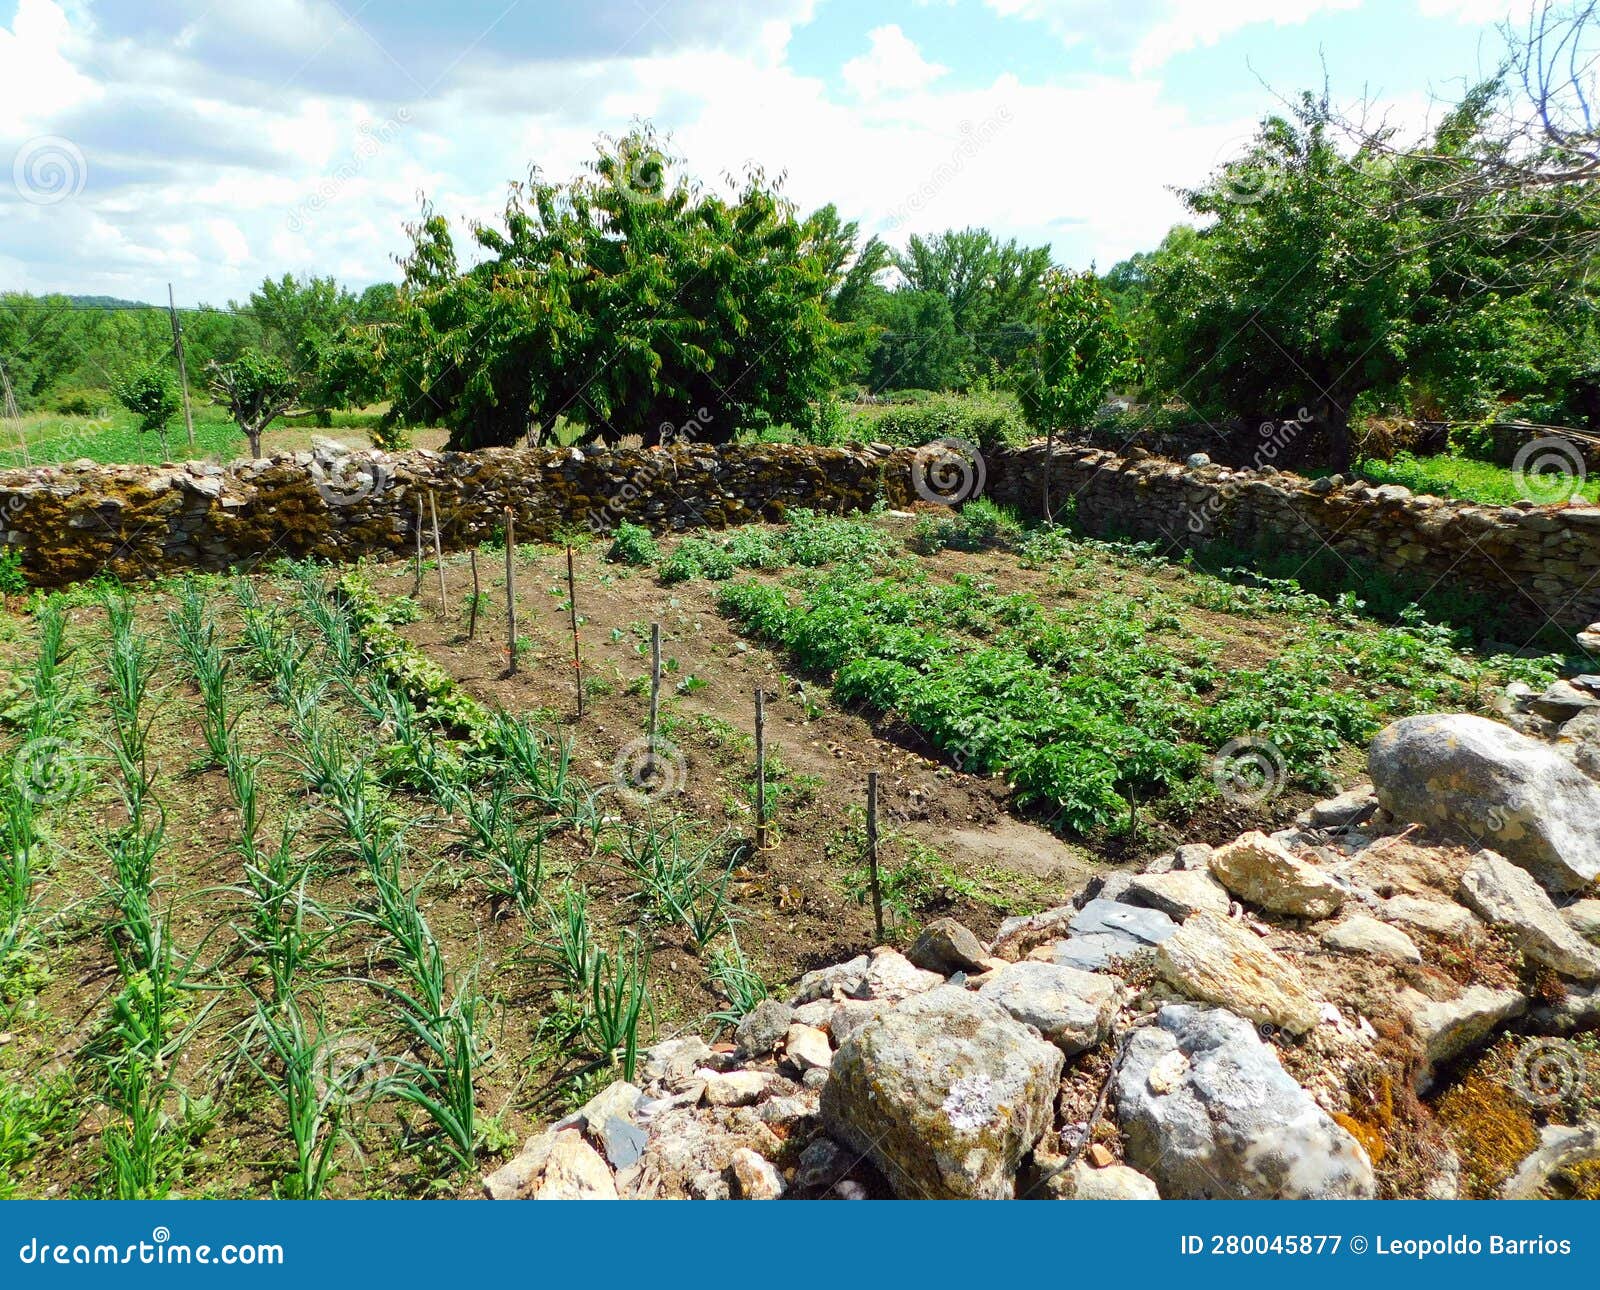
(1071,1008)
(1449,1027)
(753,1177)
(807,1048)
(673,1062)
(1179,893)
(1479,781)
(1507,897)
(1193,855)
(1560,1147)
(763,1027)
(575,1171)
(1105,886)
(736,1088)
(946,946)
(822,1164)
(838,978)
(1344,811)
(1583,916)
(946,1094)
(1363,934)
(1579,742)
(1441,917)
(1577,1010)
(1207,1111)
(622,1141)
(1111,917)
(1025,932)
(1114,1182)
(891,977)
(1216,960)
(1096,952)
(1562,701)
(1265,873)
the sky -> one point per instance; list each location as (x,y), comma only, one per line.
(209,145)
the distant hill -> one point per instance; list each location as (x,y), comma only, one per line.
(109,302)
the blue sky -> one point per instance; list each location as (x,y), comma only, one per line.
(148,141)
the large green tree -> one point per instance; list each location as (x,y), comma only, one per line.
(629,300)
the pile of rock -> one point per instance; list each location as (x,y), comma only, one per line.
(1237,1021)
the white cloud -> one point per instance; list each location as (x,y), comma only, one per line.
(893,64)
(37,76)
(1153,31)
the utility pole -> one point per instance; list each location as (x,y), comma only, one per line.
(183,371)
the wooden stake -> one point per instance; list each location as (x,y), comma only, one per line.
(472,613)
(416,583)
(183,371)
(438,556)
(872,854)
(572,605)
(655,682)
(511,596)
(761,769)
(1049,461)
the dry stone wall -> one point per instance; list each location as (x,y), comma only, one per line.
(1536,563)
(71,522)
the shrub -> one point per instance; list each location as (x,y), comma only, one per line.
(633,544)
(12,583)
(977,418)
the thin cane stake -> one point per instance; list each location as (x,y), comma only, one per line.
(416,583)
(761,769)
(572,604)
(511,595)
(872,853)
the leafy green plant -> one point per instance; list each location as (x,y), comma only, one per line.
(634,544)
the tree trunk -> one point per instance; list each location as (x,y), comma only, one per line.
(254,435)
(1336,418)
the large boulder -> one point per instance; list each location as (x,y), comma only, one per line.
(1215,960)
(1263,872)
(1178,893)
(1073,1009)
(1508,898)
(1209,1113)
(947,947)
(946,1094)
(1481,782)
